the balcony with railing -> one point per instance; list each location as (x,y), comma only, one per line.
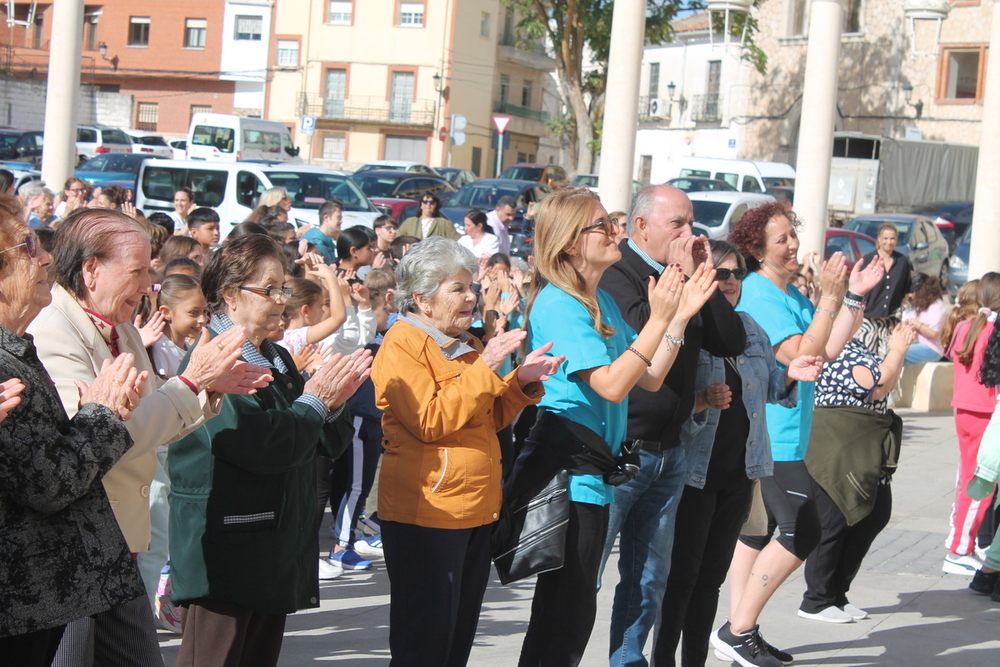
(368,109)
(706,108)
(514,48)
(520,112)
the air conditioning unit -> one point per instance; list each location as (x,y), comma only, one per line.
(659,108)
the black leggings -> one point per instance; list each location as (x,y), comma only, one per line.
(790,500)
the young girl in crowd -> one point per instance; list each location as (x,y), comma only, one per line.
(925,311)
(974,404)
(964,309)
(185,313)
(605,358)
(315,310)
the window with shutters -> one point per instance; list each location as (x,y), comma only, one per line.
(411,14)
(288,53)
(147,115)
(138,31)
(341,12)
(194,33)
(249,28)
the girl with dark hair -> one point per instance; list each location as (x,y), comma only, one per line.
(354,248)
(479,236)
(974,404)
(429,222)
(925,312)
(181,246)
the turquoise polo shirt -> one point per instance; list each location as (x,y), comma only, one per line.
(782,314)
(326,246)
(561,319)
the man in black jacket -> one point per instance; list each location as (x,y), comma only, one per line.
(659,227)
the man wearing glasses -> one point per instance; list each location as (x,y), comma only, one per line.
(659,230)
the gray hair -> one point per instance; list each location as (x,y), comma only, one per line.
(641,207)
(426,266)
(506,201)
(32,188)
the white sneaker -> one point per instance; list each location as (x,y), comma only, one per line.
(857,613)
(719,655)
(966,565)
(329,570)
(370,547)
(830,615)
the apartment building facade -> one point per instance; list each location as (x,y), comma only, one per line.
(383,78)
(173,59)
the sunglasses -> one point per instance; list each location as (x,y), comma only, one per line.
(609,226)
(427,201)
(30,244)
(722,275)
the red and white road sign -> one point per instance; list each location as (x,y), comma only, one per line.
(501,123)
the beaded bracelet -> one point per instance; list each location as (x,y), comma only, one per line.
(679,342)
(640,355)
(853,304)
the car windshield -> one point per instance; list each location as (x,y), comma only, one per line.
(151,141)
(870,228)
(710,213)
(377,185)
(523,173)
(481,196)
(590,180)
(310,190)
(8,141)
(779,182)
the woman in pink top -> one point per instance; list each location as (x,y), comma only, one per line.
(925,311)
(974,405)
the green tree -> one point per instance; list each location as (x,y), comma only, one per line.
(574,27)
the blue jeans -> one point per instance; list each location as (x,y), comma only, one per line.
(643,512)
(919,353)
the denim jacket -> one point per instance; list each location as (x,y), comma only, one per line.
(763,382)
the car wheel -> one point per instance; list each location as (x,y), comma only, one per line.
(943,277)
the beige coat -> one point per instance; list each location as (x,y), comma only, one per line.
(71,348)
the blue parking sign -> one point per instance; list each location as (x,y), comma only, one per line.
(308,124)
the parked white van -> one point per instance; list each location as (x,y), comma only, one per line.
(221,137)
(744,175)
(233,189)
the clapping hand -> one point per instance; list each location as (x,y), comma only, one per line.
(152,330)
(902,337)
(501,346)
(864,278)
(697,290)
(664,294)
(215,365)
(831,276)
(10,396)
(537,367)
(117,387)
(805,368)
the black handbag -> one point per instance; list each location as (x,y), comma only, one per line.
(531,539)
(530,536)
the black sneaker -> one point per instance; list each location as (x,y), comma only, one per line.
(748,649)
(984,582)
(784,657)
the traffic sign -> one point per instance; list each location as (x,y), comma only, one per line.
(458,122)
(501,123)
(308,125)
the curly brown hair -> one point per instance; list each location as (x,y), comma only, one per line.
(926,290)
(749,235)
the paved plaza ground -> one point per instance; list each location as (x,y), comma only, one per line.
(919,617)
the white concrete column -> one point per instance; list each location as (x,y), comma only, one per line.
(63,93)
(984,251)
(819,108)
(621,104)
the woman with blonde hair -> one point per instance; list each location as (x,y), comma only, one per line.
(586,399)
(276,196)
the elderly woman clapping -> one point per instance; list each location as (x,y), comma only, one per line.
(439,490)
(101,270)
(52,502)
(243,508)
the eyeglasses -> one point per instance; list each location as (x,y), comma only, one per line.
(722,275)
(30,245)
(609,226)
(77,190)
(427,201)
(270,292)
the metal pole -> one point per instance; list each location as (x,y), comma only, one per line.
(63,92)
(499,153)
(984,251)
(621,106)
(819,109)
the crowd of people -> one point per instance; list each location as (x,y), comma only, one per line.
(179,410)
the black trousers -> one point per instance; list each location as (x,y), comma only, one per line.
(565,603)
(437,578)
(706,530)
(832,566)
(33,649)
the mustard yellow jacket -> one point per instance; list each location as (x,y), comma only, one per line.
(443,406)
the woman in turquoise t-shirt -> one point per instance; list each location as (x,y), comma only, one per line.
(768,239)
(574,245)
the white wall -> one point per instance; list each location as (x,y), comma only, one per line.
(685,64)
(22,105)
(245,61)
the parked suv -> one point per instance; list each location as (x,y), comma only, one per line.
(92,140)
(551,175)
